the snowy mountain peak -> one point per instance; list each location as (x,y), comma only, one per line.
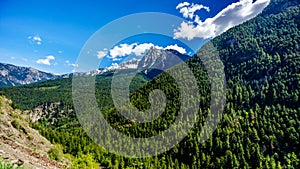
(155,58)
(11,75)
(161,59)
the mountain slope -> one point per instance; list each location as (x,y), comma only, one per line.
(11,75)
(264,53)
(154,59)
(161,59)
(19,143)
(260,125)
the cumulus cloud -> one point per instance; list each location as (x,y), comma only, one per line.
(46,61)
(232,15)
(35,39)
(139,50)
(117,52)
(176,47)
(188,10)
(183,4)
(102,53)
(71,64)
(121,50)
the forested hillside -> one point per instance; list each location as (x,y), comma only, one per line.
(260,125)
(20,145)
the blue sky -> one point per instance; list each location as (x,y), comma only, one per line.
(49,34)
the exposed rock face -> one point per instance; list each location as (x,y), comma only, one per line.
(161,59)
(21,145)
(154,58)
(11,75)
(131,64)
(50,111)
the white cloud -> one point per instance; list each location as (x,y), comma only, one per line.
(158,47)
(139,50)
(232,15)
(134,49)
(176,47)
(183,4)
(71,64)
(118,52)
(188,11)
(121,51)
(102,53)
(50,57)
(36,39)
(46,61)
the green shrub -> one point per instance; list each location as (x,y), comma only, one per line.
(2,94)
(14,115)
(84,162)
(15,106)
(30,136)
(4,165)
(56,153)
(16,124)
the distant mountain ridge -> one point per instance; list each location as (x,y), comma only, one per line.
(260,124)
(11,75)
(154,59)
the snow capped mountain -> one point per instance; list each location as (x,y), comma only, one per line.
(154,58)
(161,59)
(11,75)
(89,73)
(131,64)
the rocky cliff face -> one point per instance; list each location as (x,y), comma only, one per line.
(49,112)
(154,58)
(20,145)
(161,59)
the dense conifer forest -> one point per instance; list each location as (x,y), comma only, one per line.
(260,124)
